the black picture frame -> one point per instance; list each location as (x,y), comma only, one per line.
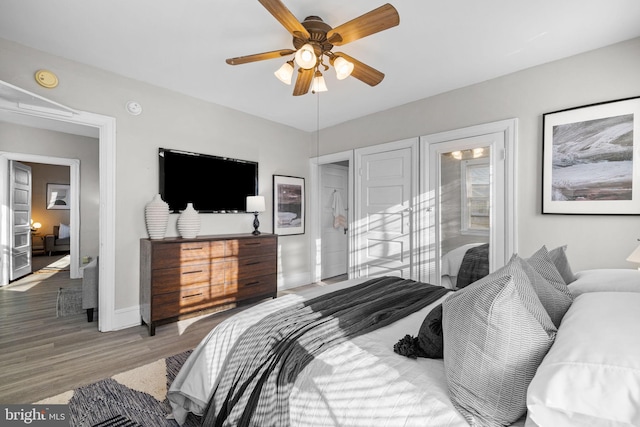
(288,205)
(590,162)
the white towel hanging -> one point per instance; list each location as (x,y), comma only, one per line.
(339,213)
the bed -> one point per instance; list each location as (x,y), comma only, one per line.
(363,382)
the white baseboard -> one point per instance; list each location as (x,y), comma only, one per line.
(293,281)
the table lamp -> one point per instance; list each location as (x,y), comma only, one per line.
(255,204)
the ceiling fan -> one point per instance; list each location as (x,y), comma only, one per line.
(313,39)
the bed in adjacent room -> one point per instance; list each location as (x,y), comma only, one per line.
(366,379)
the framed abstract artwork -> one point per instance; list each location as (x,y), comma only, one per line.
(288,205)
(591,159)
(58,196)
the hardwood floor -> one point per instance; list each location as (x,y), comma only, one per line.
(43,355)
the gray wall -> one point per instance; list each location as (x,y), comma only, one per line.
(169,120)
(601,75)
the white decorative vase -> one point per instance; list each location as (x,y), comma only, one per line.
(189,222)
(156,216)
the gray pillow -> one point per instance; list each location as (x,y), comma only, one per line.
(549,285)
(559,258)
(496,333)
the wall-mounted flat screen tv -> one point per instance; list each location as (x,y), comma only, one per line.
(213,184)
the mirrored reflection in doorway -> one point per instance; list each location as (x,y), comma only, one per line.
(465,213)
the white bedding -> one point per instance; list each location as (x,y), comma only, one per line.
(591,375)
(359,383)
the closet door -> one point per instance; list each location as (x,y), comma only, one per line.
(386,185)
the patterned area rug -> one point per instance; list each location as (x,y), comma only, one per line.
(133,398)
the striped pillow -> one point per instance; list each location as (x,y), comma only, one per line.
(559,258)
(496,333)
(549,285)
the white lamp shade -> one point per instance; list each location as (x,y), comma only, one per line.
(285,73)
(343,68)
(635,256)
(37,225)
(318,84)
(255,204)
(306,57)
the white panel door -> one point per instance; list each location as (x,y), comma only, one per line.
(386,185)
(20,202)
(334,181)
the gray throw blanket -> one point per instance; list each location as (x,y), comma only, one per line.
(260,371)
(475,265)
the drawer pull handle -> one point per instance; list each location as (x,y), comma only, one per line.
(252,283)
(192,296)
(192,249)
(252,243)
(192,272)
(253,263)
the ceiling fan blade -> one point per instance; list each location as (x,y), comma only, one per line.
(260,56)
(380,19)
(362,71)
(303,81)
(285,17)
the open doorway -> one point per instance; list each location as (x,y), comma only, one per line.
(29,109)
(331,196)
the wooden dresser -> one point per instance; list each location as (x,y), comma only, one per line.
(180,277)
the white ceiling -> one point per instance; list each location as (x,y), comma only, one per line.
(439,45)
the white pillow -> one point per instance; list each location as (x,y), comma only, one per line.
(63,232)
(606,280)
(591,375)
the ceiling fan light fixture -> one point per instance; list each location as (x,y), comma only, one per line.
(318,84)
(306,57)
(343,68)
(285,72)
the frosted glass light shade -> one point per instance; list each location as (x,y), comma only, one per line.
(285,72)
(255,204)
(318,84)
(306,57)
(343,68)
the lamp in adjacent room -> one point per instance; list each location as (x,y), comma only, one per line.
(35,226)
(255,204)
(635,256)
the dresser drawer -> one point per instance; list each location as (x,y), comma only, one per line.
(185,301)
(252,287)
(242,248)
(188,276)
(177,254)
(246,268)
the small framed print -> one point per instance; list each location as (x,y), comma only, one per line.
(58,196)
(288,205)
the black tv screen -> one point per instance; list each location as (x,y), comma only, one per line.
(211,183)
